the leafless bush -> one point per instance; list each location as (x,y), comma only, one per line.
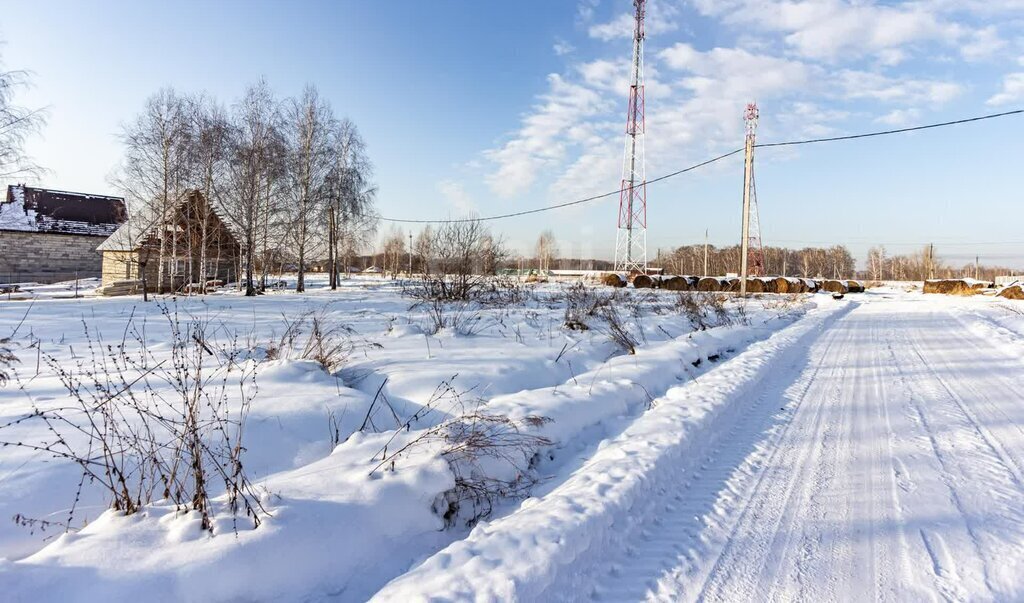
(145,428)
(460,316)
(7,359)
(618,329)
(705,310)
(490,455)
(314,336)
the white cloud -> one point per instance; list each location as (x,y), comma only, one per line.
(457,198)
(562,48)
(661,17)
(982,44)
(540,140)
(1012,90)
(858,85)
(899,117)
(734,73)
(833,30)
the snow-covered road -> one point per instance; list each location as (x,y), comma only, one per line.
(879,456)
(895,472)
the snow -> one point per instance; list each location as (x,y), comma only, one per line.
(871,446)
(14,216)
(873,449)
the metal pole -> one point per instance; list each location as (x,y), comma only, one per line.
(410,254)
(705,252)
(748,164)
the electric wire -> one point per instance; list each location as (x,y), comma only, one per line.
(704,164)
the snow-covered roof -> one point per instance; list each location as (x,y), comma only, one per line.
(29,209)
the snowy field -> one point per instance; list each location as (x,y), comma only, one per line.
(772,449)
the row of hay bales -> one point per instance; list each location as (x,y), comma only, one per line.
(957,286)
(732,284)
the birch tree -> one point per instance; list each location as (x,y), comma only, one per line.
(154,172)
(309,125)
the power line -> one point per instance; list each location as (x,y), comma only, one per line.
(706,163)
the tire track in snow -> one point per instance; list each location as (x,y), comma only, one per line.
(696,520)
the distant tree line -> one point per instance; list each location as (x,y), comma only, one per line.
(291,179)
(925,264)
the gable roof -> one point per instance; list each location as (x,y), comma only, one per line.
(143,224)
(29,209)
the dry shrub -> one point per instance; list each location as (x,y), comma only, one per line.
(581,303)
(146,428)
(643,281)
(313,335)
(491,455)
(7,359)
(618,330)
(1012,292)
(613,280)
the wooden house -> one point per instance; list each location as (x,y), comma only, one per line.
(198,247)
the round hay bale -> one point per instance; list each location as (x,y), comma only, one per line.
(676,283)
(782,285)
(835,287)
(613,280)
(1012,292)
(756,285)
(709,283)
(812,285)
(855,286)
(642,281)
(955,286)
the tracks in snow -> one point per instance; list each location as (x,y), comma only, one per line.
(884,463)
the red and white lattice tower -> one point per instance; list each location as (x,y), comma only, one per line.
(752,254)
(631,236)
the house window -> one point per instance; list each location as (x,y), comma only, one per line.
(177,267)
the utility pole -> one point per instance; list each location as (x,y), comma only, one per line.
(975,267)
(748,175)
(705,252)
(410,254)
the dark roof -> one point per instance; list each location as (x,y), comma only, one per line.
(42,210)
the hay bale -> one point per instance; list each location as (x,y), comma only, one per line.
(833,286)
(782,285)
(676,283)
(709,283)
(855,286)
(956,286)
(756,285)
(1012,292)
(642,281)
(613,280)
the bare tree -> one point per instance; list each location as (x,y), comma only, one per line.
(17,124)
(153,175)
(547,250)
(309,126)
(394,251)
(423,248)
(348,199)
(253,132)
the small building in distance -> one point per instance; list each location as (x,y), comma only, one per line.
(199,247)
(47,236)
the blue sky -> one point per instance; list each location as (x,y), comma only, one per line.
(500,106)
